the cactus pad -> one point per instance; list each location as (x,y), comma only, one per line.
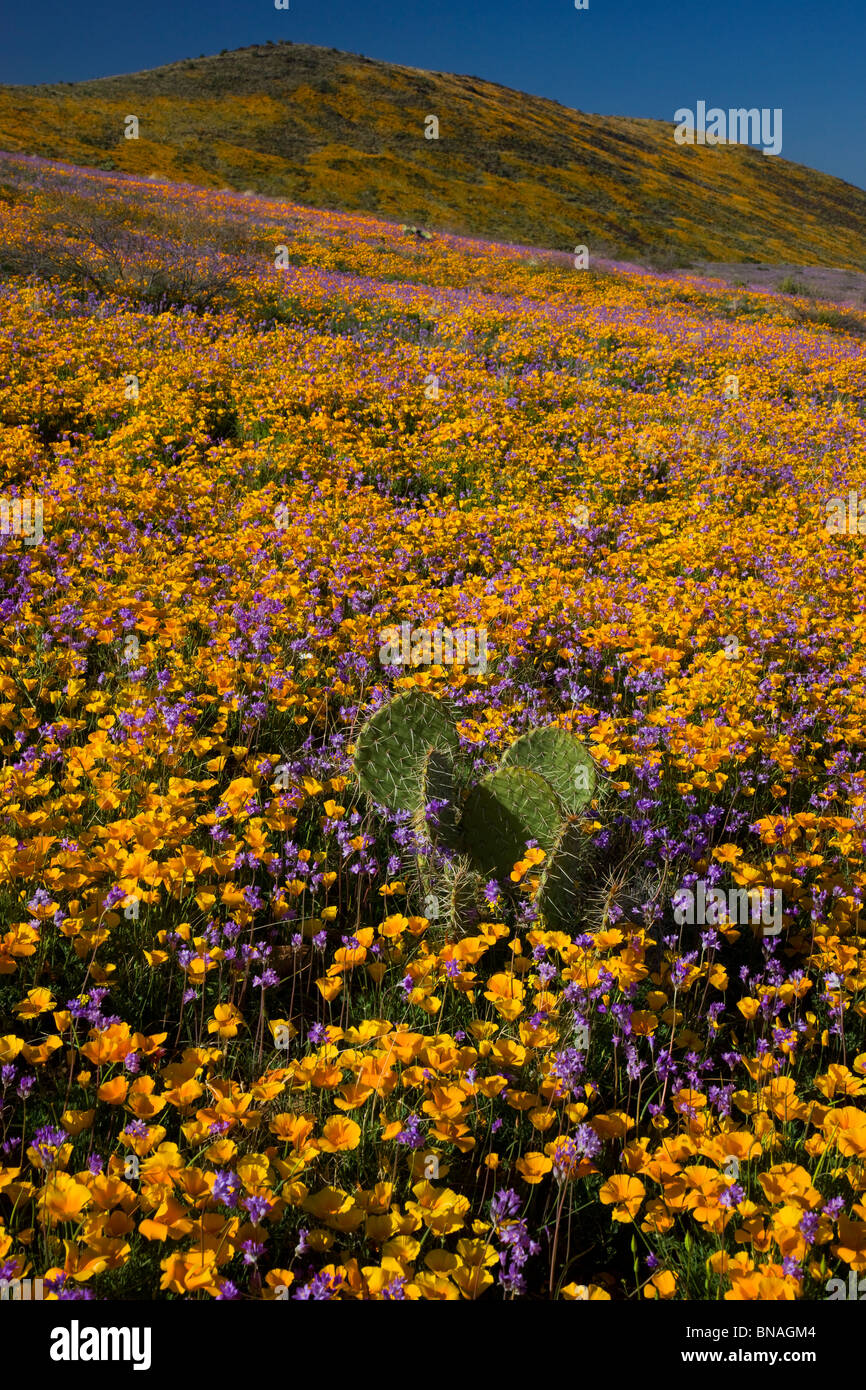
(440,783)
(561,759)
(509,807)
(559,893)
(392,748)
(457,896)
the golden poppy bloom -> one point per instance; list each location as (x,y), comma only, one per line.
(532,1167)
(585,1293)
(114,1092)
(851,1246)
(847,1129)
(625,1194)
(36,1002)
(663,1284)
(339,1134)
(62,1199)
(748,1288)
(506,993)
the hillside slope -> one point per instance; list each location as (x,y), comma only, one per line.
(336,130)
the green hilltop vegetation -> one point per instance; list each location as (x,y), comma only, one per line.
(335,130)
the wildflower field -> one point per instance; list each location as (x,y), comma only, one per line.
(265,1036)
(335,130)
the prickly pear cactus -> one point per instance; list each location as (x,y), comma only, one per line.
(561,760)
(407,758)
(507,808)
(560,890)
(440,783)
(392,748)
(455,896)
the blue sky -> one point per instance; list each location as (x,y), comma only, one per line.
(618,57)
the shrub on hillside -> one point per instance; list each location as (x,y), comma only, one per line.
(97,254)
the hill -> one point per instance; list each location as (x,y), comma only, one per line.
(340,131)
